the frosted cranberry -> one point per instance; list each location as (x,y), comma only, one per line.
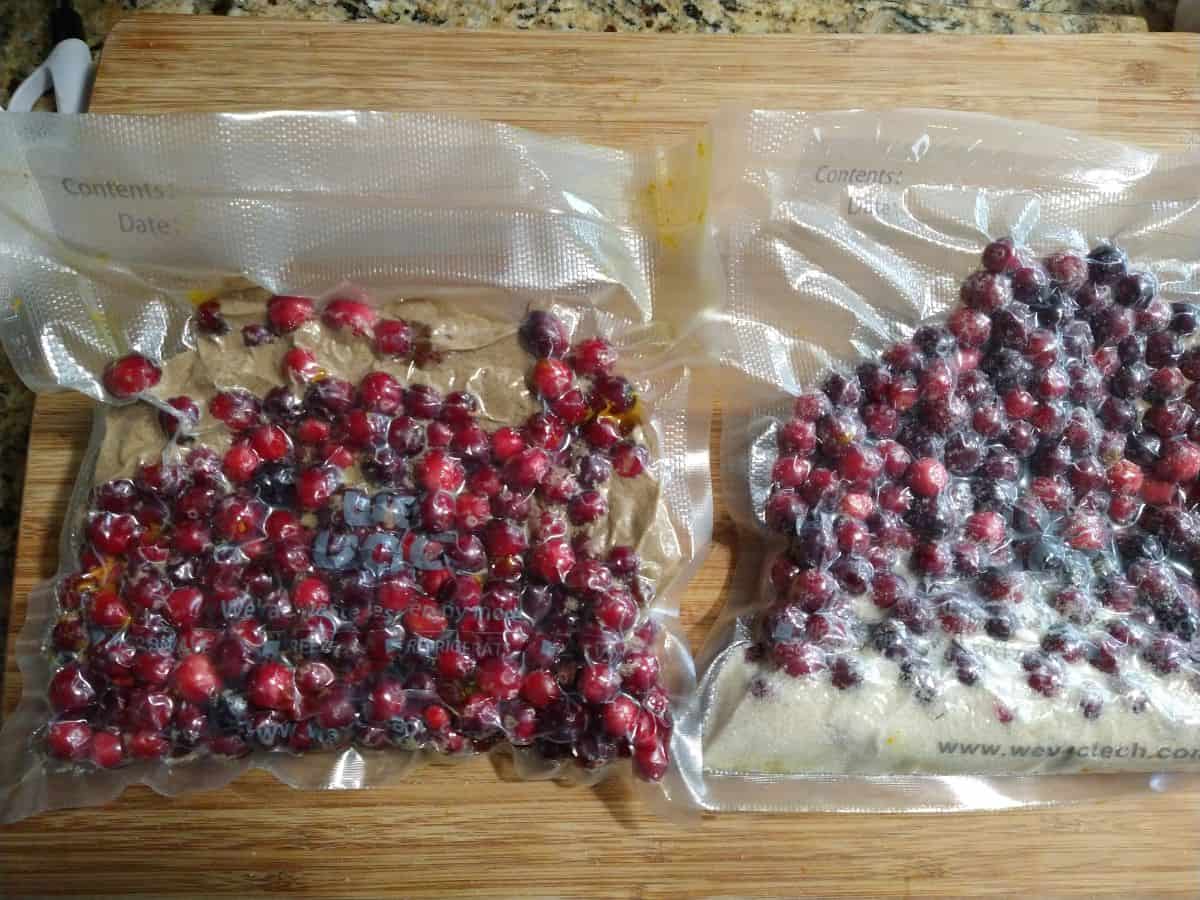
(354,315)
(616,610)
(551,378)
(845,673)
(985,291)
(256,334)
(131,375)
(927,477)
(543,334)
(238,409)
(971,327)
(527,469)
(896,459)
(1000,256)
(1018,403)
(629,459)
(393,338)
(551,560)
(603,432)
(386,701)
(853,574)
(147,744)
(272,685)
(813,406)
(545,430)
(881,420)
(798,437)
(572,407)
(1180,461)
(1067,270)
(209,319)
(587,507)
(857,505)
(785,511)
(932,558)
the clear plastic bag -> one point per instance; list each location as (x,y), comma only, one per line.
(938,602)
(381,394)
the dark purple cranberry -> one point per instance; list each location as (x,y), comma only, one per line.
(1185,318)
(282,406)
(333,396)
(1030,284)
(543,334)
(842,390)
(934,341)
(1163,348)
(275,483)
(1053,309)
(1135,289)
(1105,264)
(853,574)
(594,469)
(814,546)
(1131,348)
(992,494)
(964,453)
(1130,381)
(999,623)
(1076,339)
(256,334)
(1021,438)
(1012,324)
(1118,414)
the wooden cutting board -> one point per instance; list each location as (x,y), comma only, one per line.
(462,830)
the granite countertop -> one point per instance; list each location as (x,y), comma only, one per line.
(25,38)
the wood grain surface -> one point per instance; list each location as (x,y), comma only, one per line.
(465,830)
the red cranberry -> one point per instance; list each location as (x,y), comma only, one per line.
(354,315)
(285,314)
(131,375)
(393,338)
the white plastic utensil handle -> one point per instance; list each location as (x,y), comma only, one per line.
(68,70)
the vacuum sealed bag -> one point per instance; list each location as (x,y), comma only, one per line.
(965,464)
(393,458)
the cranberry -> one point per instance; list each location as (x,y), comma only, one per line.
(927,477)
(986,291)
(527,469)
(629,459)
(393,338)
(550,560)
(131,375)
(285,314)
(542,334)
(352,315)
(69,740)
